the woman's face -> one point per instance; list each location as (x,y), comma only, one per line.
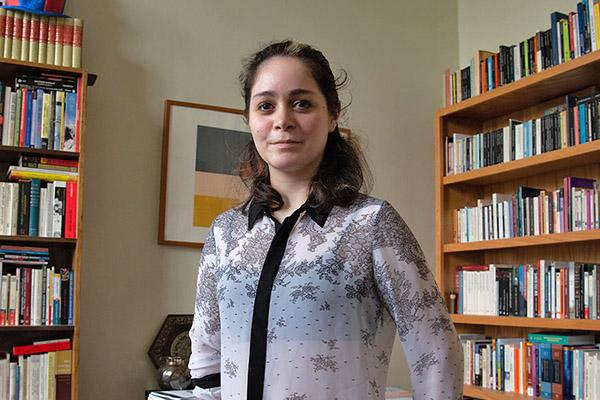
(288,117)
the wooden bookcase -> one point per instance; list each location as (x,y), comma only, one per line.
(62,251)
(522,100)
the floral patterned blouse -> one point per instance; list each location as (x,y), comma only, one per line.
(307,309)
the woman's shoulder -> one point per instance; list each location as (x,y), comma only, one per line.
(367,203)
(231,217)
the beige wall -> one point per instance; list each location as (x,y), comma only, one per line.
(145,52)
(487,24)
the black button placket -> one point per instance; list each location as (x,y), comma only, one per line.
(260,316)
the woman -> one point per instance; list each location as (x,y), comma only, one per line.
(301,289)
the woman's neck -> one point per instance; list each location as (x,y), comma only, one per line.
(293,190)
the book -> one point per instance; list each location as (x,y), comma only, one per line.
(561,338)
(41,348)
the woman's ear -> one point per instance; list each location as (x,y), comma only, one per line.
(333,123)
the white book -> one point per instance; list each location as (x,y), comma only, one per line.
(34,373)
(517,62)
(518,141)
(560,44)
(593,280)
(542,294)
(536,215)
(44,376)
(3,207)
(11,118)
(576,37)
(14,213)
(592,24)
(12,300)
(4,367)
(34,298)
(23,372)
(6,113)
(42,223)
(12,389)
(58,209)
(538,136)
(18,278)
(506,143)
(49,218)
(558,296)
(538,56)
(571,295)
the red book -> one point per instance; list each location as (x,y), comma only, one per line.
(475,267)
(27,307)
(59,162)
(41,348)
(571,34)
(63,387)
(484,87)
(71,211)
(557,361)
(23,121)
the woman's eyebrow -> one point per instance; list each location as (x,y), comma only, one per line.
(295,92)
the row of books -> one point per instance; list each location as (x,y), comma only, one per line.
(530,211)
(548,289)
(34,293)
(41,39)
(550,365)
(42,112)
(39,208)
(570,36)
(41,375)
(575,122)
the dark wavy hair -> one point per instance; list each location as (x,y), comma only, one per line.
(343,172)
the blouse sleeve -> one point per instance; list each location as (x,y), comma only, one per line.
(410,294)
(205,333)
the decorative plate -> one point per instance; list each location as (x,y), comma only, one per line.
(172,339)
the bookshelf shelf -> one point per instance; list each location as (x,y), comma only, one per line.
(525,241)
(11,67)
(538,88)
(41,241)
(539,323)
(23,329)
(569,157)
(488,394)
(14,153)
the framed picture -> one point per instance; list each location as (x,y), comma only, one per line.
(201,148)
(172,340)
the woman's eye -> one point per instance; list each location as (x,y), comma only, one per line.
(302,104)
(264,107)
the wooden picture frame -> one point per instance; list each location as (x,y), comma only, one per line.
(200,146)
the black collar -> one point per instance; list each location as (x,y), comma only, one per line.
(318,214)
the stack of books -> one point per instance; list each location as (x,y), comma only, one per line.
(33,292)
(41,200)
(575,122)
(569,36)
(41,370)
(42,112)
(550,365)
(41,39)
(548,289)
(530,211)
